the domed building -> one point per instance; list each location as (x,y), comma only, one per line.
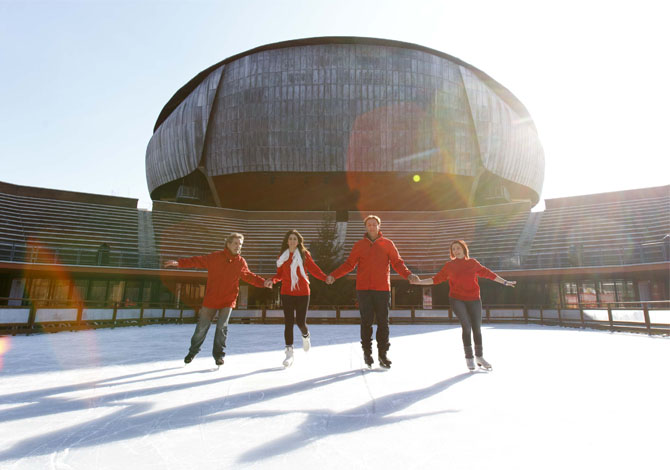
(344,123)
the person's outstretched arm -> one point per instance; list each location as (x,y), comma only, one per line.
(313,268)
(345,267)
(399,264)
(251,278)
(483,271)
(192,262)
(442,276)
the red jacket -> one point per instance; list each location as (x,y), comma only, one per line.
(373,259)
(462,275)
(224,271)
(284,275)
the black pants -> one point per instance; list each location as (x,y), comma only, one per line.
(374,304)
(469,312)
(295,311)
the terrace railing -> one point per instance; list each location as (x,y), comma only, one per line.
(27,316)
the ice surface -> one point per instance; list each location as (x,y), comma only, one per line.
(122,399)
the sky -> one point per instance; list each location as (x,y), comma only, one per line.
(82,82)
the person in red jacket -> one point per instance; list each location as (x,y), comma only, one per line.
(462,272)
(224,268)
(373,254)
(293,264)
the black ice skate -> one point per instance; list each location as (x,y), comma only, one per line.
(367,358)
(384,361)
(218,361)
(189,357)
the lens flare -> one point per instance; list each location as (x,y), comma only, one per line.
(4,347)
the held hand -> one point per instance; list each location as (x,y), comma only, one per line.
(330,279)
(413,278)
(268,283)
(510,283)
(170,264)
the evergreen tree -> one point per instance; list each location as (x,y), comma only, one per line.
(327,253)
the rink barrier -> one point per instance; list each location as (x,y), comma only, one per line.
(646,317)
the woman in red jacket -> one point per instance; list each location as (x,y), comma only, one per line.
(462,272)
(292,266)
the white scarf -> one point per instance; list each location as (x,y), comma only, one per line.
(296,264)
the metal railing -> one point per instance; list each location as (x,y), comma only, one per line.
(26,316)
(560,258)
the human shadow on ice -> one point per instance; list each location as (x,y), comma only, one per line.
(323,423)
(46,401)
(135,419)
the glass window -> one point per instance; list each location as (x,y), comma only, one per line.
(146,291)
(132,293)
(553,294)
(115,291)
(625,291)
(607,292)
(61,290)
(98,292)
(570,298)
(658,290)
(587,293)
(17,292)
(165,295)
(39,289)
(79,290)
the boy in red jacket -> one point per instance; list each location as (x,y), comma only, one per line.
(224,270)
(373,254)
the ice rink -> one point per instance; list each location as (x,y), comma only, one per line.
(121,398)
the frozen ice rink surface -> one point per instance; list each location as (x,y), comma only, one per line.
(121,399)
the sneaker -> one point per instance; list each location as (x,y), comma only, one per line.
(384,361)
(289,356)
(306,344)
(189,357)
(483,363)
(470,361)
(218,360)
(367,357)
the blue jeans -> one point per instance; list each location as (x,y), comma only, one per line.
(374,304)
(204,321)
(469,312)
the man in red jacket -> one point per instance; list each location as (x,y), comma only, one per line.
(373,254)
(224,270)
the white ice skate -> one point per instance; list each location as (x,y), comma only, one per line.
(483,363)
(289,356)
(470,361)
(306,344)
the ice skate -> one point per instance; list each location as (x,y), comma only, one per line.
(189,357)
(483,363)
(218,361)
(384,361)
(470,361)
(289,356)
(367,358)
(306,343)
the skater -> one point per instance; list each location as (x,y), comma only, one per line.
(292,266)
(373,254)
(462,272)
(224,268)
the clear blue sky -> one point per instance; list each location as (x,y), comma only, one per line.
(82,82)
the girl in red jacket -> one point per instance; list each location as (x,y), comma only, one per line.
(292,266)
(462,272)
